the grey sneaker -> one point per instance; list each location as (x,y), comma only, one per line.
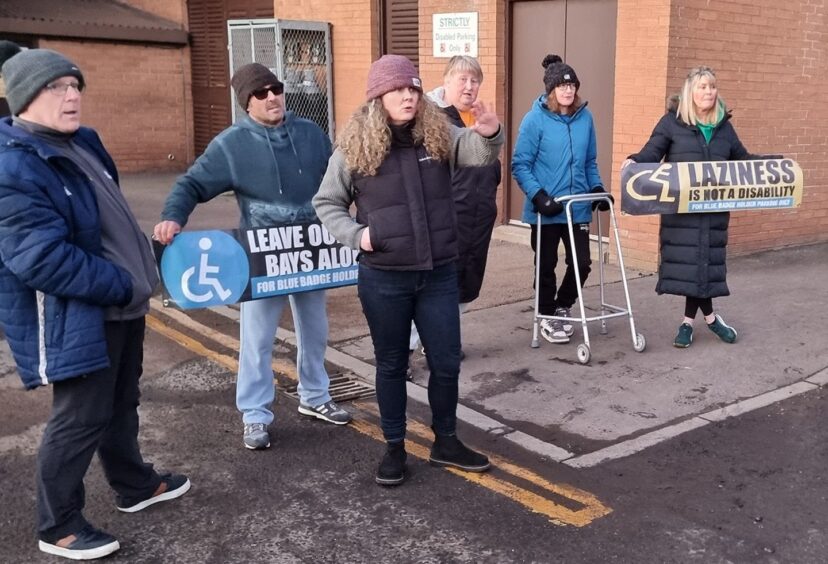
(328,411)
(553,331)
(568,328)
(256,436)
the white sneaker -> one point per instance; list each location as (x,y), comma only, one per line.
(552,330)
(568,328)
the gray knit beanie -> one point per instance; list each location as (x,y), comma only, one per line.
(558,72)
(29,71)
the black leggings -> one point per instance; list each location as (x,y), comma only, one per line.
(693,305)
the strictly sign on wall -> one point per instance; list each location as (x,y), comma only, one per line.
(454,34)
(667,188)
(220,267)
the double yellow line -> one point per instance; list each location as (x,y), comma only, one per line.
(573,506)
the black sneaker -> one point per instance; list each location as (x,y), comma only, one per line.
(89,543)
(449,451)
(391,471)
(177,485)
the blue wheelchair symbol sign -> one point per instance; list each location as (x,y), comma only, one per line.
(205,268)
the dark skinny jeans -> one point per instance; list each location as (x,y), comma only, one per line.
(391,299)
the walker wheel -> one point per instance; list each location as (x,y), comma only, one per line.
(583,354)
(640,343)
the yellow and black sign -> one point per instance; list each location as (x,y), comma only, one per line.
(664,188)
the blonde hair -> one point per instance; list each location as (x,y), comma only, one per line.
(366,138)
(687,108)
(463,63)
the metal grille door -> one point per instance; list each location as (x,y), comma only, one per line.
(299,53)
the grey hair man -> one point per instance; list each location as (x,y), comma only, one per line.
(76,274)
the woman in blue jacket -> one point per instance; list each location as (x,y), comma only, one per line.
(555,155)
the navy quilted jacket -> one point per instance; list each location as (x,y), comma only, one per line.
(54,283)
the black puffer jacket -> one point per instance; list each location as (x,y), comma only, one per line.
(693,245)
(475,202)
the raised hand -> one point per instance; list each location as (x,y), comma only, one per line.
(486,122)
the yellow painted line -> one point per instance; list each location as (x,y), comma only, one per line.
(558,514)
(592,507)
(279,365)
(191,344)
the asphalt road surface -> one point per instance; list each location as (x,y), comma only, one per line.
(749,489)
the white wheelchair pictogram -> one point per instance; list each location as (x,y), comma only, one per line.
(205,277)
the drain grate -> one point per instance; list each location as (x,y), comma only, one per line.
(343,388)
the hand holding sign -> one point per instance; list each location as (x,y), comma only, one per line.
(165,231)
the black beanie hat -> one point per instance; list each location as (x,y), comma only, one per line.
(249,78)
(557,72)
(26,73)
(8,49)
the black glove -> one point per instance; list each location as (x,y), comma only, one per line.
(602,205)
(546,205)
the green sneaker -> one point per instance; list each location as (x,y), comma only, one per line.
(684,336)
(724,331)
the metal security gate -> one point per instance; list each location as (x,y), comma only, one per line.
(299,53)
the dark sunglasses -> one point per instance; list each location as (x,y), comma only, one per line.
(261,93)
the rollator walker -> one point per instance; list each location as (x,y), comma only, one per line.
(608,311)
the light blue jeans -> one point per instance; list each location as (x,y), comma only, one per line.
(259,320)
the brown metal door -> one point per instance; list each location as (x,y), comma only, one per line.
(401,31)
(209,61)
(582,32)
(538,28)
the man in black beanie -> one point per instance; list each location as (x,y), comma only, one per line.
(273,161)
(8,49)
(76,274)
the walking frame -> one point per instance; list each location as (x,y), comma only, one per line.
(608,311)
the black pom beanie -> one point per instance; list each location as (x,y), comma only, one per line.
(557,72)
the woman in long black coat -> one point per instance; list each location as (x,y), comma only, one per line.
(694,245)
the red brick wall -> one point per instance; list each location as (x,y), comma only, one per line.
(640,91)
(771,61)
(772,69)
(138,98)
(354,44)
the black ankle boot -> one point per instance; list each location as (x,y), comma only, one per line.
(391,471)
(449,451)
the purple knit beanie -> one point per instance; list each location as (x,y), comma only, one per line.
(390,72)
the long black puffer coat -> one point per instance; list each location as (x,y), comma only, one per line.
(475,203)
(693,245)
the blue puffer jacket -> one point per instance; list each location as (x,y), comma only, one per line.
(556,153)
(54,284)
(274,172)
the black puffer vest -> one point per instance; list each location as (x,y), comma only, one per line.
(409,210)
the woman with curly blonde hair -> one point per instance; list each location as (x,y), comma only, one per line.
(394,161)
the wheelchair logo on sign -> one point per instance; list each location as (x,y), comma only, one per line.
(205,268)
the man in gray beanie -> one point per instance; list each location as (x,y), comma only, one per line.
(76,274)
(273,161)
